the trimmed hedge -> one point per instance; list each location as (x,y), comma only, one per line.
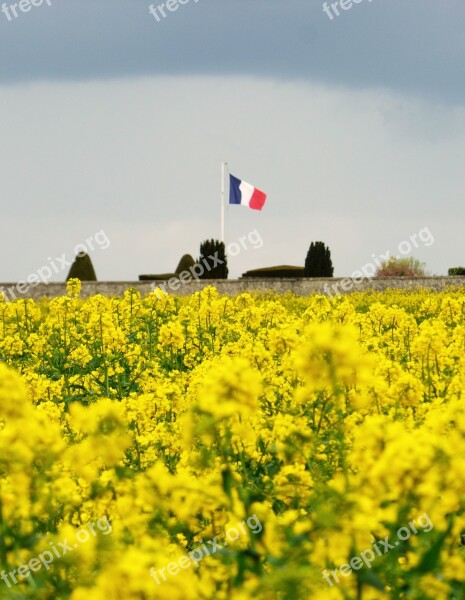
(160,277)
(184,264)
(456,271)
(283,271)
(82,268)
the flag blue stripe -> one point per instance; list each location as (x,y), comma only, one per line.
(234,190)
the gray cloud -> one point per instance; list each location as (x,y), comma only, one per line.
(355,128)
(415,47)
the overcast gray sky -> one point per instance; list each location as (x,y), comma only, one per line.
(113,121)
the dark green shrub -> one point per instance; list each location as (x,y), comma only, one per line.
(213,259)
(185,264)
(318,261)
(456,271)
(82,268)
(283,271)
(157,277)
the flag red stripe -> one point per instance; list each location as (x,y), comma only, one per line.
(258,199)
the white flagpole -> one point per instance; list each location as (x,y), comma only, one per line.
(223,165)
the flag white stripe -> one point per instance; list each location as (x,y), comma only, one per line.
(247,191)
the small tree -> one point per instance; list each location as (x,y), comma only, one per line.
(318,262)
(401,267)
(82,268)
(213,259)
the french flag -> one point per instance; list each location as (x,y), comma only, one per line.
(241,192)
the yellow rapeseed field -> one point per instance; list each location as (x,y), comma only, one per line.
(256,447)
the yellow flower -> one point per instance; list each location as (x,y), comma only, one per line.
(13,394)
(73,287)
(232,387)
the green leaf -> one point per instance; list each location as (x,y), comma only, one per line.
(430,559)
(227,482)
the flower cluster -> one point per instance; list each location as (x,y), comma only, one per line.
(334,422)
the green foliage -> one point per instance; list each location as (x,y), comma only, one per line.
(213,259)
(401,267)
(185,264)
(157,277)
(456,271)
(82,268)
(318,262)
(283,271)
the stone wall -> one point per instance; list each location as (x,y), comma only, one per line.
(301,286)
